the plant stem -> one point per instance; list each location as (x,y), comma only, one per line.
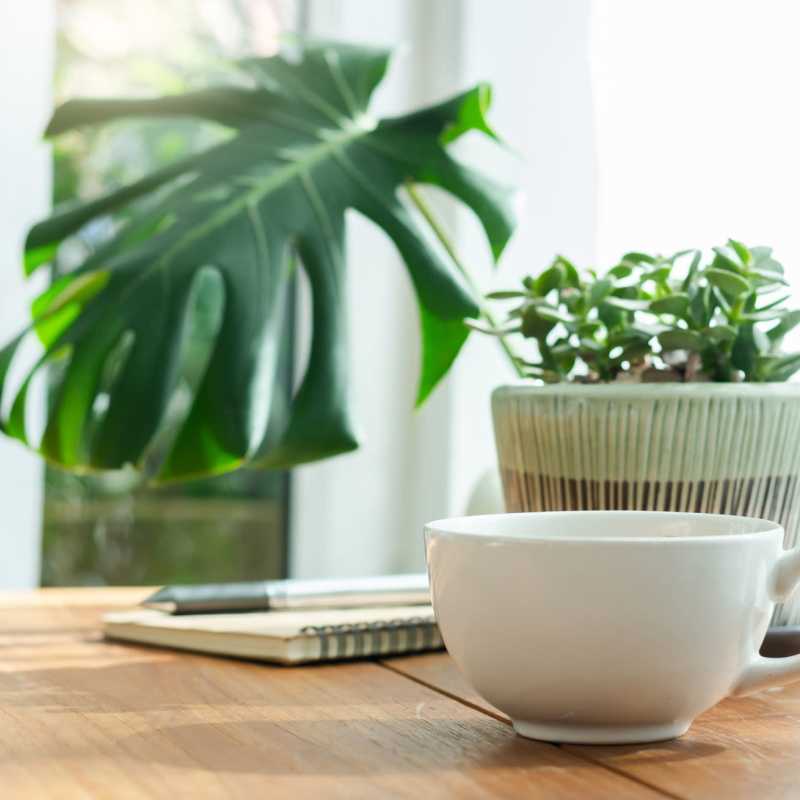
(483,305)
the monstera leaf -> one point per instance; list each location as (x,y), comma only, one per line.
(205,250)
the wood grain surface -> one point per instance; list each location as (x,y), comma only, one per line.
(84,718)
(743,748)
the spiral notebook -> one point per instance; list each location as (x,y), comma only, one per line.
(284,637)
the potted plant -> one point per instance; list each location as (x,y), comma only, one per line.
(658,385)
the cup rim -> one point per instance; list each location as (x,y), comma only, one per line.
(449,527)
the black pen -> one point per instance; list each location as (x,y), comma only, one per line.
(384,590)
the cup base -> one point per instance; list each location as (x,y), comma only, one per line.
(599,734)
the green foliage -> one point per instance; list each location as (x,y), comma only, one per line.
(656,318)
(183,305)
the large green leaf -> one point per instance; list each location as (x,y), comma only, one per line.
(228,225)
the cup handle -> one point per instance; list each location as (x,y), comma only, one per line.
(765,672)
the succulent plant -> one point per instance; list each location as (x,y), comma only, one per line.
(652,318)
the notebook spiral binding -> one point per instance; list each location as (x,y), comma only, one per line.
(356,640)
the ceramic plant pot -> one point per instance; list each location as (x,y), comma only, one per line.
(711,448)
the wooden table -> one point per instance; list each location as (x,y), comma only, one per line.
(84,718)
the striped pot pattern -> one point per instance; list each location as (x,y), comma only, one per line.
(714,448)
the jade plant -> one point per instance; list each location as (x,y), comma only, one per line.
(685,317)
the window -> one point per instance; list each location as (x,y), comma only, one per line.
(636,125)
(112,529)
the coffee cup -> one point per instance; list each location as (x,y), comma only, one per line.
(610,627)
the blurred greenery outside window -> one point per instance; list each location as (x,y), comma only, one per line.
(112,529)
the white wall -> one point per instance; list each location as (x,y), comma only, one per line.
(349,514)
(26,45)
(536,56)
(363,513)
(698,124)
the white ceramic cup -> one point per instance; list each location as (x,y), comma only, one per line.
(609,627)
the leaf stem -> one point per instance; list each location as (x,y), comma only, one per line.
(447,244)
